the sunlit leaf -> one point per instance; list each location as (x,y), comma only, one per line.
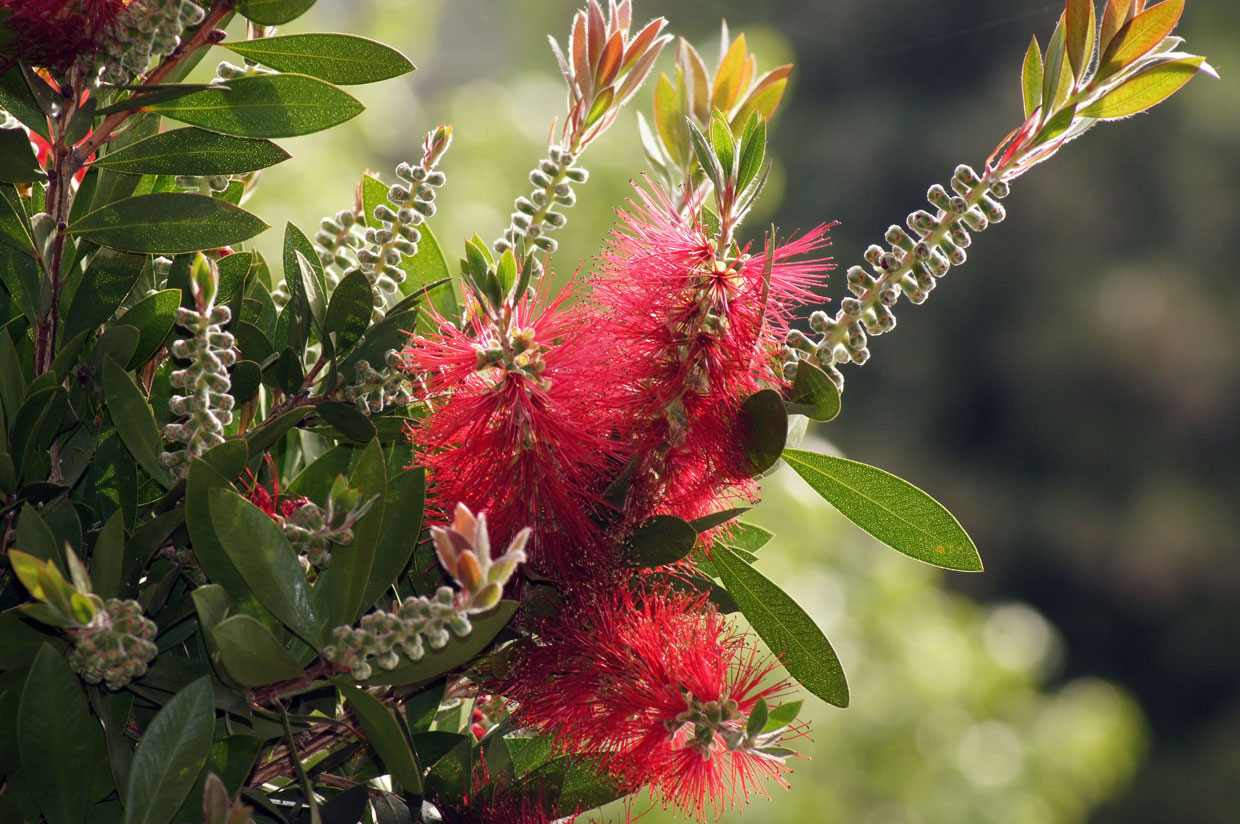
(337,58)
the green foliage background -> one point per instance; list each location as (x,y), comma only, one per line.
(1071,399)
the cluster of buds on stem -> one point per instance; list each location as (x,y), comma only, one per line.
(464,550)
(721,723)
(375,390)
(113,642)
(603,67)
(396,234)
(116,646)
(910,266)
(336,243)
(313,530)
(145,31)
(203,404)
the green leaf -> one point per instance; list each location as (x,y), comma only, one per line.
(753,151)
(893,511)
(54,738)
(813,388)
(280,105)
(273,12)
(748,537)
(306,283)
(109,278)
(134,420)
(1056,126)
(349,575)
(153,317)
(170,755)
(21,277)
(1052,67)
(17,160)
(785,627)
(193,152)
(107,559)
(257,548)
(17,99)
(1139,36)
(337,58)
(167,223)
(782,716)
(384,733)
(663,539)
(1145,89)
(251,655)
(348,314)
(1079,40)
(402,523)
(765,424)
(459,651)
(708,522)
(1031,77)
(348,420)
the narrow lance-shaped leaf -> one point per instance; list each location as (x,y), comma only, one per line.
(170,755)
(53,738)
(785,627)
(385,736)
(193,152)
(281,105)
(337,58)
(1139,35)
(1145,89)
(167,223)
(1079,22)
(1031,77)
(892,510)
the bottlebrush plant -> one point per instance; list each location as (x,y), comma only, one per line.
(357,535)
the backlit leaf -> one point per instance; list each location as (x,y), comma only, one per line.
(273,12)
(193,152)
(1144,89)
(337,58)
(167,223)
(785,627)
(1031,77)
(280,105)
(1139,35)
(892,510)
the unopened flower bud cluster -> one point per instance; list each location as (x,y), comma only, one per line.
(313,530)
(203,404)
(337,242)
(116,647)
(910,266)
(535,216)
(395,234)
(375,390)
(386,636)
(145,31)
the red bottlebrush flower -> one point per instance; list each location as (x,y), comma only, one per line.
(268,500)
(55,33)
(520,431)
(656,689)
(698,335)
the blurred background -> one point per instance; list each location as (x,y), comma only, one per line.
(1070,394)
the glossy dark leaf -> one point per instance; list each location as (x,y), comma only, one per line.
(251,655)
(108,279)
(708,522)
(337,58)
(785,627)
(257,548)
(892,510)
(765,424)
(273,12)
(153,317)
(193,152)
(349,575)
(167,223)
(814,389)
(281,105)
(663,539)
(170,755)
(385,735)
(348,314)
(54,738)
(17,160)
(132,416)
(402,523)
